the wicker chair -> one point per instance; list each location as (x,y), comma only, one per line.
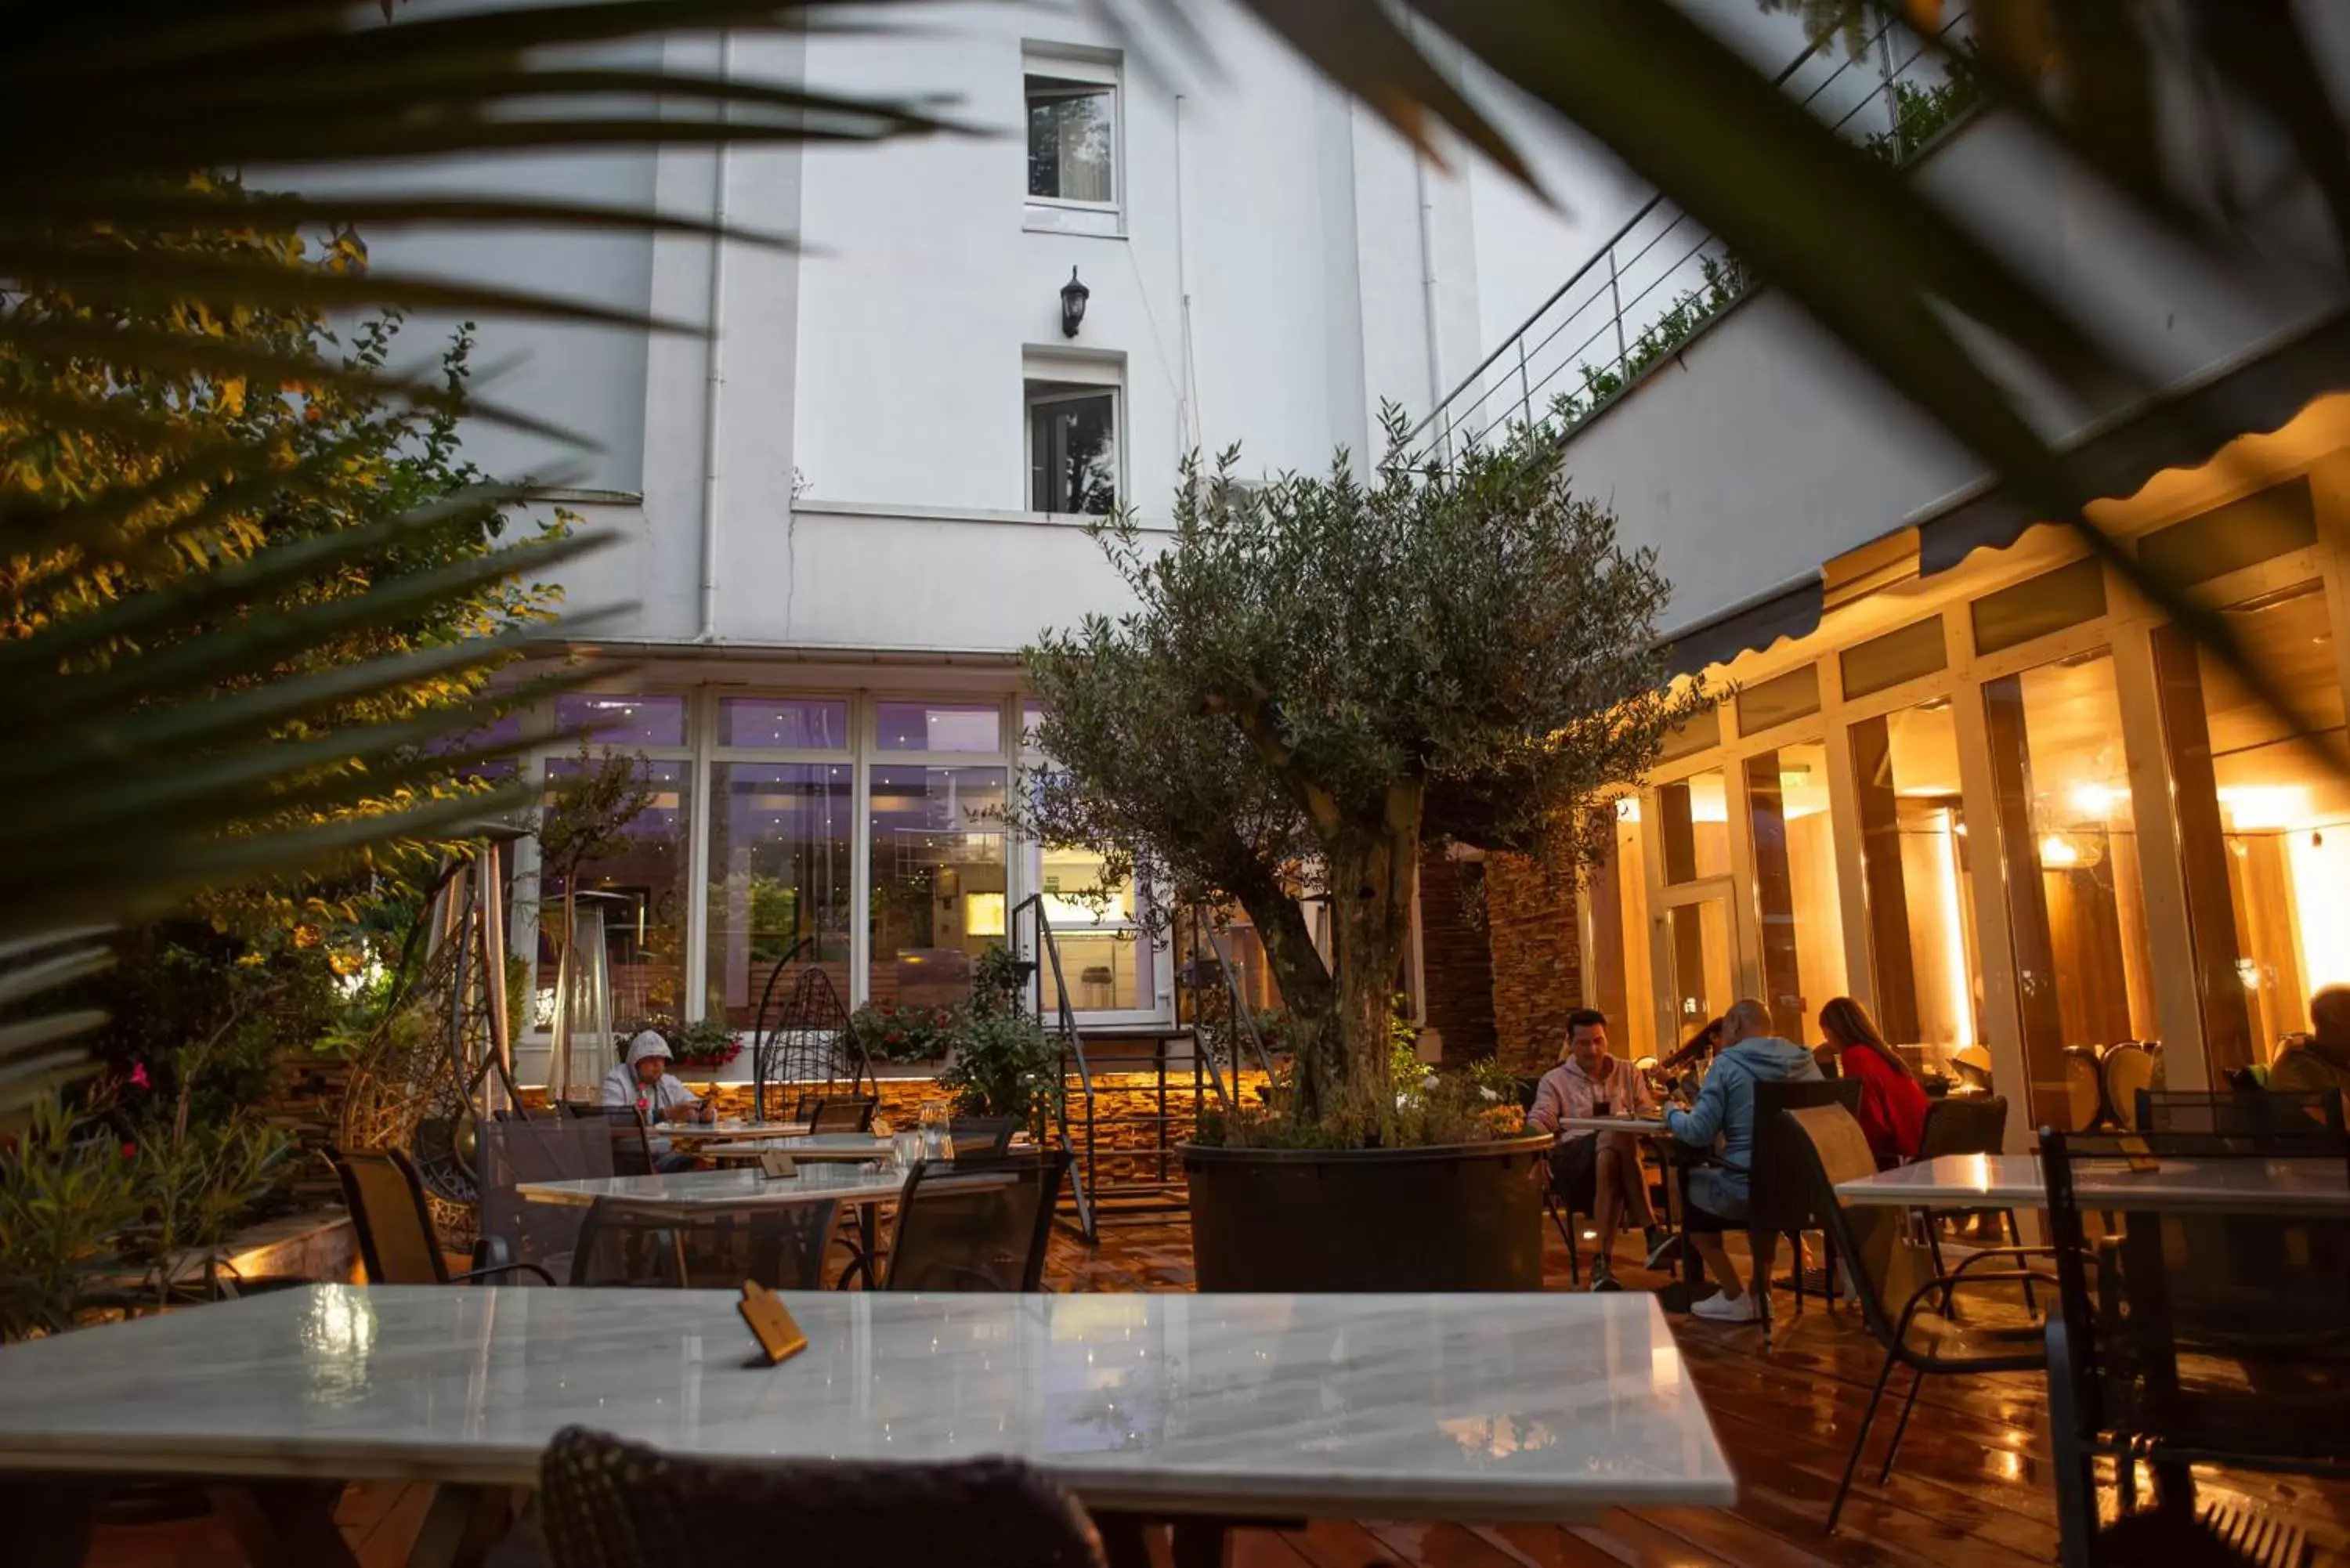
(1904,1299)
(2209,1337)
(704,1246)
(605,1503)
(397,1241)
(2314,1118)
(976,1224)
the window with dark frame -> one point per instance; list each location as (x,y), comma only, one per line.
(1072,141)
(1072,447)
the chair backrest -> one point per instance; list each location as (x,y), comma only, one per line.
(1826,1142)
(1779,1194)
(982,1135)
(1964,1124)
(704,1246)
(2123,1071)
(630,1139)
(2280,1117)
(543,1150)
(976,1224)
(850,1115)
(605,1503)
(2085,1087)
(2215,1334)
(398,1243)
(1972,1064)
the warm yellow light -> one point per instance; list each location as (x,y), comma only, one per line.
(1628,809)
(2057,850)
(1954,956)
(2255,807)
(2319,862)
(2095,800)
(983,914)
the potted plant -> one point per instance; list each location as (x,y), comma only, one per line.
(1319,676)
(706,1045)
(903,1032)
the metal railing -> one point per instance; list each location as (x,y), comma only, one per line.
(1086,1174)
(1662,275)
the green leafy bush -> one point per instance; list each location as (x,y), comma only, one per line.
(1004,1064)
(900,1032)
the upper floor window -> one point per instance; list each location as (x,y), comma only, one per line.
(1073,136)
(1072,446)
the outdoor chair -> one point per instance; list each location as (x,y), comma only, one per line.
(605,1503)
(2124,1071)
(975,1224)
(704,1246)
(1904,1300)
(631,1139)
(1781,1199)
(2256,1113)
(2207,1336)
(1562,1215)
(854,1114)
(514,1153)
(398,1243)
(2085,1087)
(982,1135)
(1966,1124)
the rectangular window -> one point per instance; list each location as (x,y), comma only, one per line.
(784,723)
(1693,828)
(780,854)
(623,723)
(1918,881)
(1780,701)
(2039,605)
(1072,135)
(1615,912)
(1796,908)
(642,889)
(2264,826)
(1106,958)
(2228,538)
(1702,733)
(937,842)
(2077,902)
(1913,651)
(1072,447)
(962,727)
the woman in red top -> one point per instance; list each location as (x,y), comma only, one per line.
(1892,1101)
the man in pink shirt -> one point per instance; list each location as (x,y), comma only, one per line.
(1595,1173)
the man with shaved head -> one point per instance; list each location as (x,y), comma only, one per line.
(1749,1054)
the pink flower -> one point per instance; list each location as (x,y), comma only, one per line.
(139,1076)
(131,1151)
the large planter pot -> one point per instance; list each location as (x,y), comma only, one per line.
(1463,1217)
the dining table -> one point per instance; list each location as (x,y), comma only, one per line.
(1473,1407)
(808,1148)
(2296,1185)
(862,1188)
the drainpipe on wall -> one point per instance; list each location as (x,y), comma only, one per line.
(709,631)
(1427,291)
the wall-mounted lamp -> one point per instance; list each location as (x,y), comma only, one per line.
(1074,295)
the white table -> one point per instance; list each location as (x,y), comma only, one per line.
(1646,1127)
(846,1147)
(731,1132)
(1530,1406)
(2298,1185)
(815,1183)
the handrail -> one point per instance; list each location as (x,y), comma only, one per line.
(1071,1043)
(1240,1009)
(1694,302)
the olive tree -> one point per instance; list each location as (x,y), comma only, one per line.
(1321,674)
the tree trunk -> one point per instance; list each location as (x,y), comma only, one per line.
(1307,996)
(1371,880)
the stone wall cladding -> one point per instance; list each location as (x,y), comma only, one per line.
(1456,965)
(1536,968)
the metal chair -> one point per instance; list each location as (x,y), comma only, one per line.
(2124,1073)
(854,1114)
(975,1224)
(514,1153)
(398,1242)
(2213,1336)
(1966,1124)
(1779,1199)
(2256,1113)
(982,1135)
(632,1140)
(703,1245)
(1904,1300)
(605,1503)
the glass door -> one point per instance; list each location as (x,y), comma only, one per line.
(1700,948)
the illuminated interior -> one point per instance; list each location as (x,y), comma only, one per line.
(937,855)
(645,882)
(1796,908)
(1917,879)
(1104,959)
(1615,915)
(2283,817)
(1693,828)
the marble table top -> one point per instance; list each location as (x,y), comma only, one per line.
(1526,1406)
(837,1146)
(2003,1180)
(722,1132)
(1651,1126)
(814,1183)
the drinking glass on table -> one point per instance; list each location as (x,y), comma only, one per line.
(906,1147)
(937,1121)
(1603,1107)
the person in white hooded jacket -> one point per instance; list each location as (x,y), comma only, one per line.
(645,1082)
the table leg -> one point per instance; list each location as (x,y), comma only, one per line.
(866,1246)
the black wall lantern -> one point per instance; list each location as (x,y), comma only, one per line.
(1074,295)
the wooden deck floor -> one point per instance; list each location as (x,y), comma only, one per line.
(1971,1490)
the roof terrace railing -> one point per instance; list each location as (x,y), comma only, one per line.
(1662,275)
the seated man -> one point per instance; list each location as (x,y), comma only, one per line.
(2321,1059)
(645,1082)
(1749,1054)
(1594,1173)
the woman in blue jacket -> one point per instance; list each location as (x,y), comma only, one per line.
(1724,1110)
